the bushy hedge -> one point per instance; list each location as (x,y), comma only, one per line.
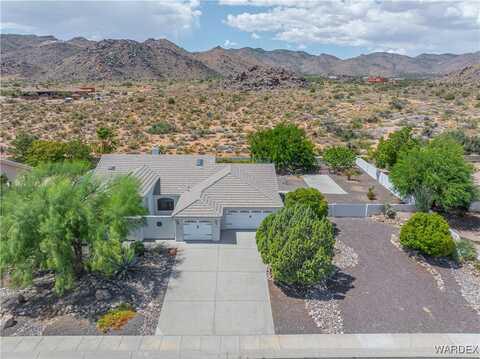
(285,145)
(310,197)
(297,245)
(428,233)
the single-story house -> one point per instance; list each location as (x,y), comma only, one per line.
(12,169)
(191,197)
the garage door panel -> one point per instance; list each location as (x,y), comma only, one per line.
(197,230)
(244,219)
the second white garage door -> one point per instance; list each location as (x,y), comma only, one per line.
(244,219)
(197,230)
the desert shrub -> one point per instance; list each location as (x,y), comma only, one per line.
(429,234)
(116,318)
(21,145)
(138,248)
(387,150)
(397,104)
(339,158)
(449,97)
(53,151)
(161,128)
(435,175)
(286,145)
(171,101)
(388,211)
(297,245)
(309,197)
(371,193)
(465,251)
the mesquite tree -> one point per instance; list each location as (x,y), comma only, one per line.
(61,218)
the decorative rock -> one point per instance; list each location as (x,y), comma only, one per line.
(7,322)
(102,295)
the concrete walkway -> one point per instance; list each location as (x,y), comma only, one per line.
(218,289)
(231,347)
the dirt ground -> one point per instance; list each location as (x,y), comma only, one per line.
(386,292)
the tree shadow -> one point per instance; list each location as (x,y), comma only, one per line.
(336,287)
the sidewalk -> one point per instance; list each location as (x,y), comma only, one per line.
(254,346)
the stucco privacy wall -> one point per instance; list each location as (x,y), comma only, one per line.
(364,209)
(381,178)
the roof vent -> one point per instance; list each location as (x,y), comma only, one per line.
(199,162)
(155,150)
(111,168)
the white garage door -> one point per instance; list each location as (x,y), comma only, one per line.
(197,230)
(244,219)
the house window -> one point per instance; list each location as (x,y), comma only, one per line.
(165,204)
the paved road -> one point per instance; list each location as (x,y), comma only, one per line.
(218,289)
(393,294)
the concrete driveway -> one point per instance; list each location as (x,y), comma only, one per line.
(217,289)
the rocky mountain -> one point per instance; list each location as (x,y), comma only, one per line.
(379,63)
(47,58)
(469,74)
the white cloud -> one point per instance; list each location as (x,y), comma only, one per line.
(228,44)
(408,27)
(255,36)
(14,27)
(103,19)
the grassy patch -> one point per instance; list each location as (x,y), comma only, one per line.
(116,318)
(465,251)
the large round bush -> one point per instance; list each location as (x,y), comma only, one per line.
(309,197)
(428,233)
(297,245)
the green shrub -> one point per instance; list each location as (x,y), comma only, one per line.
(297,245)
(428,233)
(371,193)
(285,145)
(388,150)
(436,175)
(339,158)
(309,197)
(465,251)
(138,248)
(161,128)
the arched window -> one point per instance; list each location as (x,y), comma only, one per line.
(165,204)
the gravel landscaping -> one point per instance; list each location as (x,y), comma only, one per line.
(380,288)
(38,311)
(315,310)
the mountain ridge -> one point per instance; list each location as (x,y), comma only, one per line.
(41,58)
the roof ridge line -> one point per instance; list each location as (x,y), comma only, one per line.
(254,186)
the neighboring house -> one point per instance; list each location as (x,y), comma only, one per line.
(191,197)
(12,169)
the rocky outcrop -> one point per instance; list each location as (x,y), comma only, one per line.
(258,78)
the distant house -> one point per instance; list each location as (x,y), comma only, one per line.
(376,79)
(12,169)
(191,197)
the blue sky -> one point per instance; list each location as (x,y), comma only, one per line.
(342,28)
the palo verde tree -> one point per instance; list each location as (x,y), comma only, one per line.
(436,175)
(387,150)
(58,217)
(285,145)
(339,158)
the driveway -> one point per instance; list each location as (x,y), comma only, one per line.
(217,289)
(392,293)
